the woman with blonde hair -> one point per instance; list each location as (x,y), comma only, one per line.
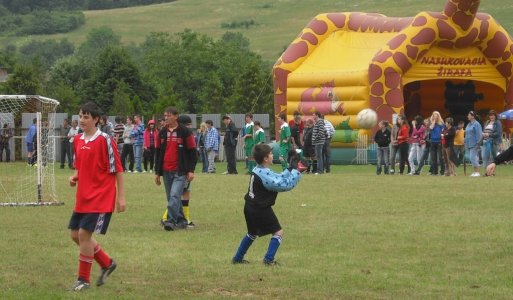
(435,150)
(200,144)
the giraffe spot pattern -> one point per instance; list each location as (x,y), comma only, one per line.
(310,37)
(318,26)
(445,31)
(295,51)
(424,37)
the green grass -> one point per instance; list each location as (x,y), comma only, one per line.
(349,234)
(278,22)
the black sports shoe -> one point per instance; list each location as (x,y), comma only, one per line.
(79,285)
(105,273)
(242,261)
(271,263)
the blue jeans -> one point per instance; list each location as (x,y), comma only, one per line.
(319,155)
(138,157)
(174,184)
(204,159)
(473,156)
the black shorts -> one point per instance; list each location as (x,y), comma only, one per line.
(92,222)
(261,221)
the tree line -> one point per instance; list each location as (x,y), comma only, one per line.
(189,70)
(28,17)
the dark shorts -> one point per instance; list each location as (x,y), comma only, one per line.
(92,222)
(30,147)
(261,221)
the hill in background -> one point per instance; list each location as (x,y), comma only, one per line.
(270,25)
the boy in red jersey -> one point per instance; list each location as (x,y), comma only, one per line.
(99,180)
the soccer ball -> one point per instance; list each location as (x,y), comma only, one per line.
(367,118)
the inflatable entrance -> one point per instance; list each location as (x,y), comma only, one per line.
(451,61)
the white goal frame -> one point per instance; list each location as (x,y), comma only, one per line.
(25,183)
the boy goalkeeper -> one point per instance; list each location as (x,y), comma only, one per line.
(263,189)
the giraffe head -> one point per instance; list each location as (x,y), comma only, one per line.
(462,12)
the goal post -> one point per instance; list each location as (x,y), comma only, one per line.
(28,179)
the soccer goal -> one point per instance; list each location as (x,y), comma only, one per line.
(27,181)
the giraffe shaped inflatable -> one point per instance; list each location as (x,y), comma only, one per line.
(365,60)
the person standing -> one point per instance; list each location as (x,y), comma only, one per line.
(492,138)
(6,133)
(29,140)
(284,141)
(459,143)
(382,139)
(65,145)
(259,134)
(435,151)
(394,148)
(128,145)
(74,130)
(98,177)
(151,142)
(308,148)
(138,136)
(119,128)
(402,141)
(318,140)
(448,147)
(416,147)
(230,144)
(249,141)
(200,142)
(176,161)
(326,154)
(473,136)
(297,126)
(211,145)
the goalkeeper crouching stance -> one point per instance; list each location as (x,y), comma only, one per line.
(264,186)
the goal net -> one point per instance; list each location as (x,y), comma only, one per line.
(27,178)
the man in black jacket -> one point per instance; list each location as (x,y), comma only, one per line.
(230,143)
(176,161)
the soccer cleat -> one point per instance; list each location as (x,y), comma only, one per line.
(105,273)
(79,285)
(239,262)
(191,225)
(271,263)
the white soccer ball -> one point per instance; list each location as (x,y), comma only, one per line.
(367,118)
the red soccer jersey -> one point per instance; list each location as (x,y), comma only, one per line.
(97,163)
(172,146)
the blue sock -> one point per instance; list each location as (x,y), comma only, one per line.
(243,247)
(274,244)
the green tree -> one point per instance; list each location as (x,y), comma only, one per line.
(24,80)
(121,104)
(113,68)
(69,101)
(97,40)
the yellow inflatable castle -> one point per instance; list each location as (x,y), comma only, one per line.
(342,63)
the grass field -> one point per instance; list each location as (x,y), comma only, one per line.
(278,22)
(349,234)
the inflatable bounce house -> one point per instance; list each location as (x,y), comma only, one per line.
(452,61)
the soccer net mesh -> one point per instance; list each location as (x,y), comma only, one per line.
(23,181)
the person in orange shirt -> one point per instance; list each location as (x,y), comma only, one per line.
(459,142)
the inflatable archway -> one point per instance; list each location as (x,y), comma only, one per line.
(341,63)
